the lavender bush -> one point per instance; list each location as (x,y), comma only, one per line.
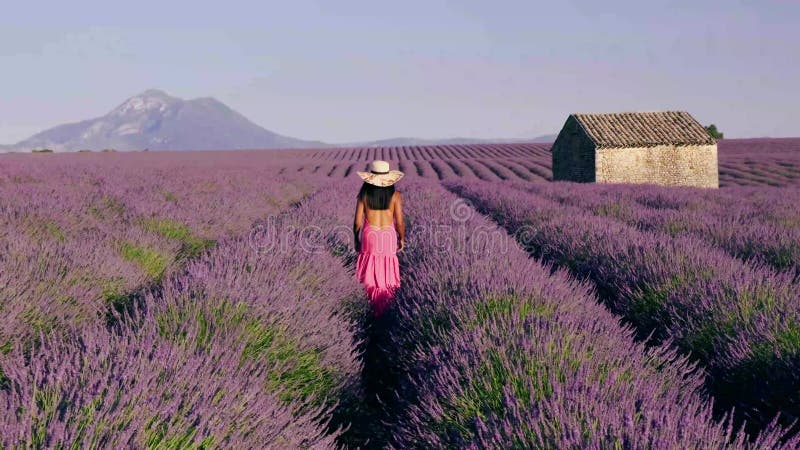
(80,233)
(495,351)
(258,310)
(131,388)
(742,162)
(739,321)
(757,224)
(149,300)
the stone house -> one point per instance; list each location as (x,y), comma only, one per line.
(669,148)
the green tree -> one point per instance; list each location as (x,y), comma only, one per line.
(712,130)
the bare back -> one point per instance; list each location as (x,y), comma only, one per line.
(381,217)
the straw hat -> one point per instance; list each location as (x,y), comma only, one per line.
(380,175)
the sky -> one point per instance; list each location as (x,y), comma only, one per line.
(344,71)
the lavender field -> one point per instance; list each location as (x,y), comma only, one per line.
(208,300)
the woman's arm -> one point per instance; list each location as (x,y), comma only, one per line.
(358,222)
(399,222)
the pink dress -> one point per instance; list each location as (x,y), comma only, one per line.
(377,267)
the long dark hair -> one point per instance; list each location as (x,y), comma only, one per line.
(376,197)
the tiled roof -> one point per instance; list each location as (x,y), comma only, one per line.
(643,129)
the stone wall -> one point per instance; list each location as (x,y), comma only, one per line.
(665,164)
(573,154)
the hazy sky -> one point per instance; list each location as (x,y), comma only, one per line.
(346,70)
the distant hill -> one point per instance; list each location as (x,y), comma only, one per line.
(544,138)
(157,121)
(396,142)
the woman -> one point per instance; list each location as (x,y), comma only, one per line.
(379,232)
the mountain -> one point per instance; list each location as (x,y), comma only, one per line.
(157,121)
(545,138)
(535,137)
(404,141)
(408,141)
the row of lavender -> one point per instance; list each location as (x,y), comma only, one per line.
(742,162)
(502,353)
(761,225)
(289,383)
(740,321)
(251,345)
(759,162)
(78,233)
(519,168)
(487,348)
